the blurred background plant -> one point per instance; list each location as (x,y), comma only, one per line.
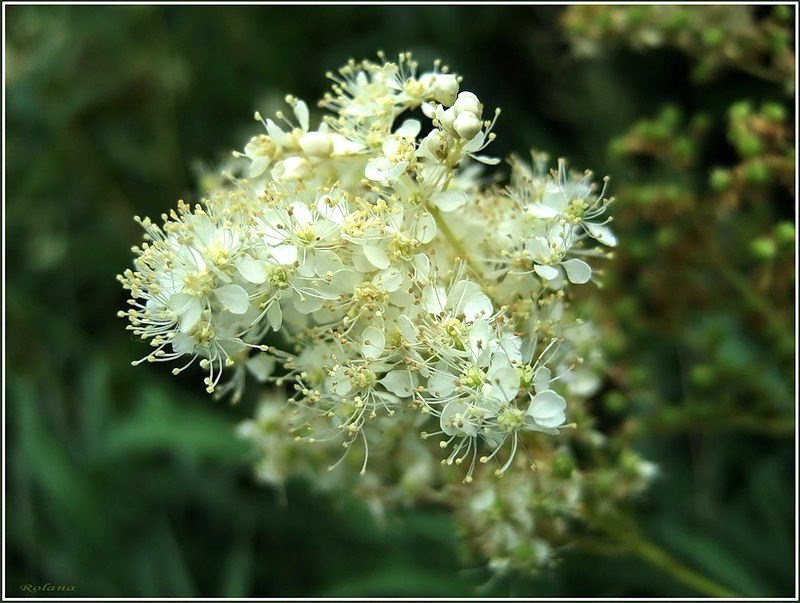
(127,482)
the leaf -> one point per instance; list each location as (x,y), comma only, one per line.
(161,424)
(237,572)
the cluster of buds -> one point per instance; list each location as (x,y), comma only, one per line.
(412,310)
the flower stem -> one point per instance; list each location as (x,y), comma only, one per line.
(626,535)
(659,558)
(462,252)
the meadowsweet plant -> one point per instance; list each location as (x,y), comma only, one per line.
(409,317)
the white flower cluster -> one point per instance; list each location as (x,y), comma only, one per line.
(395,280)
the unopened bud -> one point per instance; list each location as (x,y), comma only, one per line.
(467,125)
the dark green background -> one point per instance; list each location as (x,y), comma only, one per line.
(130,482)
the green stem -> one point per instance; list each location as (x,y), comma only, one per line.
(461,252)
(659,558)
(624,532)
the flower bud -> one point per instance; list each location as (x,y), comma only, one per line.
(316,144)
(467,125)
(292,168)
(467,101)
(445,88)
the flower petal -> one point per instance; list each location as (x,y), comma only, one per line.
(258,166)
(376,256)
(479,336)
(235,299)
(275,316)
(400,383)
(425,228)
(276,133)
(441,384)
(391,279)
(547,409)
(183,344)
(190,312)
(578,271)
(285,254)
(373,342)
(407,329)
(449,200)
(301,113)
(251,269)
(475,143)
(380,169)
(548,273)
(454,420)
(476,306)
(601,233)
(422,267)
(541,379)
(484,159)
(409,128)
(343,386)
(261,366)
(505,380)
(306,304)
(540,210)
(434,299)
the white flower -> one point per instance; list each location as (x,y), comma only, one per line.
(407,290)
(398,151)
(548,254)
(459,418)
(440,87)
(261,151)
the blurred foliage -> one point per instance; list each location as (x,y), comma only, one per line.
(756,41)
(128,482)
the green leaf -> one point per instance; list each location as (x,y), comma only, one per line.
(164,421)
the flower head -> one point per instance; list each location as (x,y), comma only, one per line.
(408,308)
